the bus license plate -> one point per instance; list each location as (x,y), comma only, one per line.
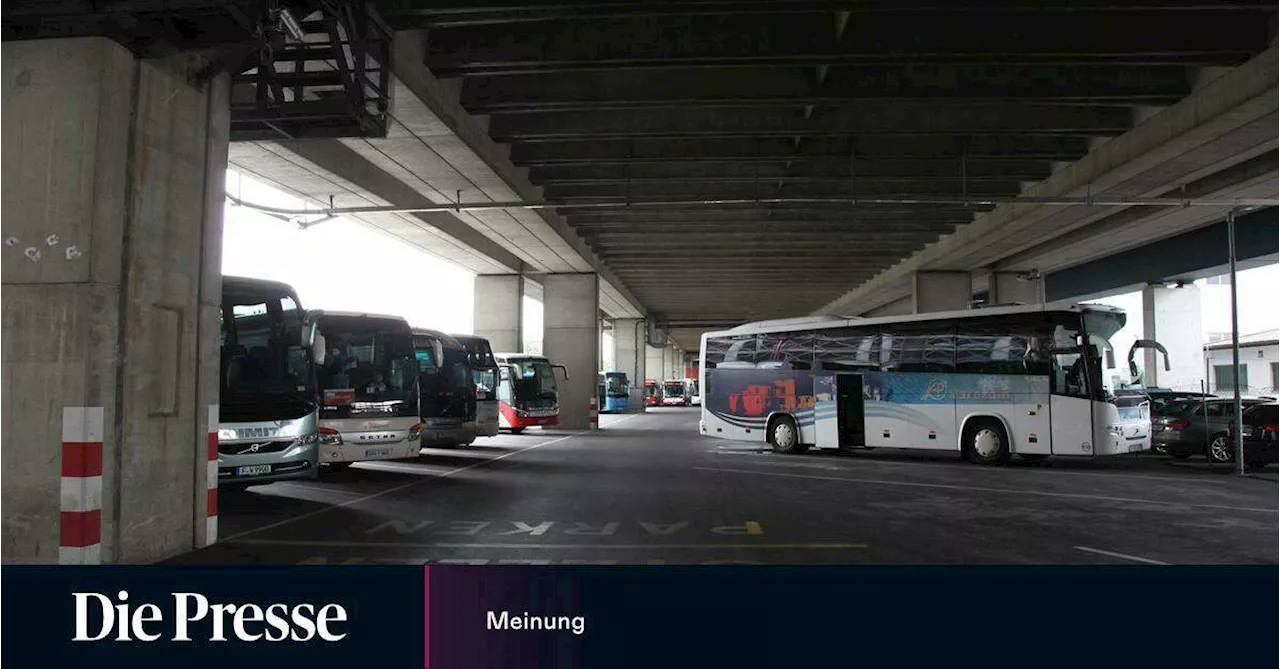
(376,452)
(253,470)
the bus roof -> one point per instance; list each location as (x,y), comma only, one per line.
(444,338)
(243,284)
(518,356)
(822,322)
(321,313)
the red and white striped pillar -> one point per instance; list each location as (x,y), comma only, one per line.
(211,476)
(80,522)
(594,415)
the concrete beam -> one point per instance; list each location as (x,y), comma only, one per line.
(1230,120)
(940,291)
(334,156)
(408,57)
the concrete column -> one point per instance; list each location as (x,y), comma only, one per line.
(114,170)
(499,300)
(940,291)
(653,363)
(1006,287)
(571,337)
(628,340)
(1172,317)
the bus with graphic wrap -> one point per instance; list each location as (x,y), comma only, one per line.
(484,372)
(527,392)
(446,390)
(615,392)
(369,387)
(268,408)
(989,383)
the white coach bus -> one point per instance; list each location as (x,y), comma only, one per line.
(990,383)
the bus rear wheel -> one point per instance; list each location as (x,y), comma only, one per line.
(784,436)
(985,442)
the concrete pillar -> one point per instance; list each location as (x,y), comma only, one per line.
(1006,287)
(571,337)
(1172,317)
(940,291)
(114,170)
(499,301)
(653,363)
(628,340)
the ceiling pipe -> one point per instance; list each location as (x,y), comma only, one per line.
(623,204)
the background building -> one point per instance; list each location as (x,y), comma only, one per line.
(1259,363)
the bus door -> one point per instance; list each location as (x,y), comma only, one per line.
(838,418)
(849,410)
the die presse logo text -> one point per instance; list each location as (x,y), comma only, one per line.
(190,615)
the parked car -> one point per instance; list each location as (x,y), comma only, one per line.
(1259,433)
(1181,430)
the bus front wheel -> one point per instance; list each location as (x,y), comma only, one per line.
(784,436)
(516,430)
(985,442)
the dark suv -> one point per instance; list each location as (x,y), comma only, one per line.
(1259,433)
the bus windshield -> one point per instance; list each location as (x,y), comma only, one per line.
(369,360)
(673,389)
(615,384)
(533,380)
(261,349)
(1101,326)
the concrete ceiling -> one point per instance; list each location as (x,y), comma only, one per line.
(743,100)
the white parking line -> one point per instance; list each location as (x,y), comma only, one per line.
(1122,556)
(398,488)
(313,488)
(1010,491)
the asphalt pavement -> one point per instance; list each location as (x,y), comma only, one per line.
(648,489)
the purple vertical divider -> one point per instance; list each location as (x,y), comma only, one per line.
(426,616)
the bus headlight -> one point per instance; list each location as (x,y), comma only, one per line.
(330,436)
(415,432)
(308,439)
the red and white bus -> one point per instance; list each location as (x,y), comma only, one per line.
(527,392)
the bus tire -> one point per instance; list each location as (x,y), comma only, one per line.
(986,442)
(516,430)
(783,435)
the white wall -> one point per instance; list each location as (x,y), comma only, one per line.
(1257,362)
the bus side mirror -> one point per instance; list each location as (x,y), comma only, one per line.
(309,333)
(563,370)
(317,349)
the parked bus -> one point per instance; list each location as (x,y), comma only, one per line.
(615,392)
(989,383)
(446,390)
(369,385)
(484,372)
(652,393)
(268,408)
(675,393)
(527,392)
